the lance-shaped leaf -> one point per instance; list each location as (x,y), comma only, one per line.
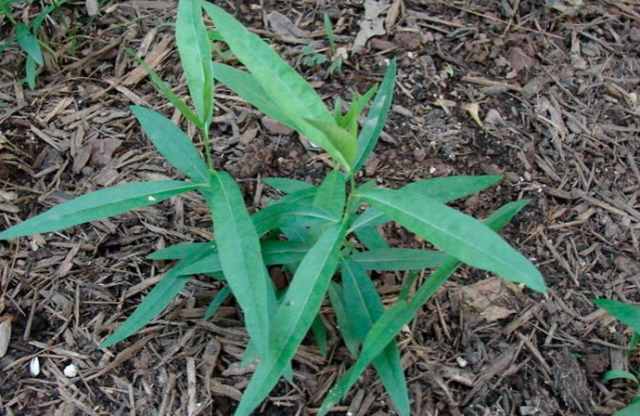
(240,256)
(287,185)
(451,188)
(346,325)
(396,259)
(99,204)
(364,306)
(376,118)
(194,48)
(286,88)
(624,312)
(29,43)
(177,102)
(248,88)
(155,302)
(287,215)
(459,235)
(179,251)
(172,143)
(295,315)
(331,194)
(391,322)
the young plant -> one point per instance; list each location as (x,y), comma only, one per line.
(26,37)
(326,236)
(312,58)
(630,316)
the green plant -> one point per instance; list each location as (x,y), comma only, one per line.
(326,236)
(312,58)
(26,37)
(630,316)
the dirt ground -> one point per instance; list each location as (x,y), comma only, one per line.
(555,85)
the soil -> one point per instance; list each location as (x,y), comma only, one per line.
(556,88)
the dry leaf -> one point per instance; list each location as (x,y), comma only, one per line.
(372,24)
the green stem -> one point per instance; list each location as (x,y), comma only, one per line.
(207,147)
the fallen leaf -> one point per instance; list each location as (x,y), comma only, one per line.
(102,150)
(372,24)
(284,27)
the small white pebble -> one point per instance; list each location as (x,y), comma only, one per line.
(71,370)
(462,362)
(34,366)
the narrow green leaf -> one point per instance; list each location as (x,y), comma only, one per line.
(249,89)
(320,334)
(299,215)
(179,251)
(616,374)
(624,312)
(345,325)
(287,89)
(376,118)
(220,297)
(302,196)
(329,29)
(365,307)
(194,48)
(99,204)
(391,322)
(396,259)
(241,257)
(371,238)
(159,298)
(350,120)
(287,185)
(459,235)
(155,302)
(451,188)
(380,335)
(295,314)
(172,143)
(29,43)
(331,194)
(30,73)
(177,102)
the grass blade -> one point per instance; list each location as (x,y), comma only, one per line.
(320,334)
(172,143)
(459,235)
(295,314)
(194,48)
(241,257)
(376,118)
(365,307)
(99,204)
(398,259)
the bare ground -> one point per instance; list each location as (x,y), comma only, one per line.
(556,89)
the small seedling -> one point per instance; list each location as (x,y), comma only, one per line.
(26,37)
(326,236)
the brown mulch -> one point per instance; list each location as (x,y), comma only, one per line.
(555,85)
